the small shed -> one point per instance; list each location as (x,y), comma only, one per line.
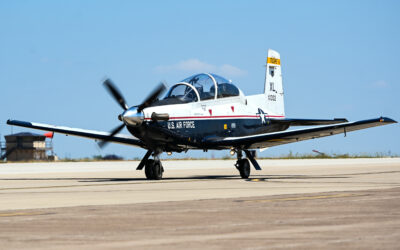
(27,146)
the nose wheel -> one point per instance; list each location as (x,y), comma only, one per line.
(243,166)
(153,169)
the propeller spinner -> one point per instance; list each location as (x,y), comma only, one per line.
(131,116)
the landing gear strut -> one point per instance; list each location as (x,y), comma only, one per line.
(243,166)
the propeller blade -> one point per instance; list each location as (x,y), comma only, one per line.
(112,133)
(152,97)
(115,93)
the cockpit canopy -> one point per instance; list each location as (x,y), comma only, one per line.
(202,87)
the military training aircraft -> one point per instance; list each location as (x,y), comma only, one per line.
(208,112)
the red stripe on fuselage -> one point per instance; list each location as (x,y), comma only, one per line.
(220,116)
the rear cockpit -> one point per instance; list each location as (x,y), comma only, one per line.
(199,87)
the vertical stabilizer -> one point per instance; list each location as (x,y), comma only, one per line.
(273,88)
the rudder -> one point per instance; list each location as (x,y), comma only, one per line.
(273,88)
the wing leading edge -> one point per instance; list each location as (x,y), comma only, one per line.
(91,134)
(284,137)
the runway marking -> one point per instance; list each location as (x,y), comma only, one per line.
(305,198)
(257,179)
(19,214)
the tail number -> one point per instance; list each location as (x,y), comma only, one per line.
(272,98)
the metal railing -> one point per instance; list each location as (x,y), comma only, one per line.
(2,148)
(48,148)
(49,145)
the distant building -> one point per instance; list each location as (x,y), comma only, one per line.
(28,147)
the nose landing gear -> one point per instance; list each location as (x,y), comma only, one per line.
(153,169)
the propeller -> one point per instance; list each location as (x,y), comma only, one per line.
(112,133)
(132,116)
(152,97)
(114,92)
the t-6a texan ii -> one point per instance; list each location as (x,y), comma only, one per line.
(208,112)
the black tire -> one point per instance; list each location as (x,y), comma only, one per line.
(153,170)
(157,170)
(148,170)
(244,168)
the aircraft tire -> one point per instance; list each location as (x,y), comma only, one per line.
(244,168)
(149,169)
(157,170)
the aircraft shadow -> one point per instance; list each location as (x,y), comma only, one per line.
(222,177)
(188,178)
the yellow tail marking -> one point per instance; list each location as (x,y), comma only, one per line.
(274,60)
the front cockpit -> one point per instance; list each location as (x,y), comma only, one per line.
(199,87)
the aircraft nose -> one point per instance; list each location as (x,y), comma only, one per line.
(132,117)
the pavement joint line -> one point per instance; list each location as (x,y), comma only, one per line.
(305,198)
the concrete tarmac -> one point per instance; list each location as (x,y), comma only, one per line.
(349,203)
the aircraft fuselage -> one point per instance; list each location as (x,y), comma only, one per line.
(234,116)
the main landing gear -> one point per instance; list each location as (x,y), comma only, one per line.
(243,165)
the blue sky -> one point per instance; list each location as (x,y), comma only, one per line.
(339,59)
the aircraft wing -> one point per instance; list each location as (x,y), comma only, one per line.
(91,134)
(308,122)
(284,137)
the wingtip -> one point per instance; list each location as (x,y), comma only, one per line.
(18,123)
(387,120)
